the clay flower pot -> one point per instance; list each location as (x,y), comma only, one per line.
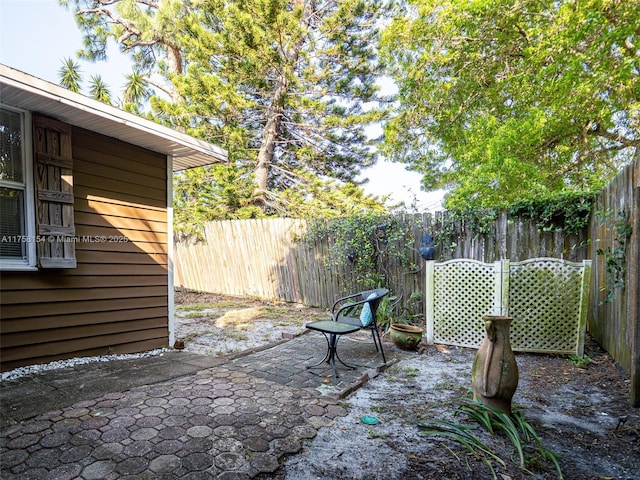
(406,337)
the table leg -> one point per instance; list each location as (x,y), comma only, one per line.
(332,354)
(352,367)
(327,356)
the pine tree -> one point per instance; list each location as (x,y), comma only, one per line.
(287,86)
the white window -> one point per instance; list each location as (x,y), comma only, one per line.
(17,208)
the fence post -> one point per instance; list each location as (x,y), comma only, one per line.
(505,271)
(501,288)
(584,306)
(429,298)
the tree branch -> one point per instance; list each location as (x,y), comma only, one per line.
(615,137)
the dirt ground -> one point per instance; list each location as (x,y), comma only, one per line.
(580,410)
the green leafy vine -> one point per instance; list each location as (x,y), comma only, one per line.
(615,258)
(569,212)
(367,244)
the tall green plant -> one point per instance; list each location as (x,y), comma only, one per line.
(288,87)
(518,431)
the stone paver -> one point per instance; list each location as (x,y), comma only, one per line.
(231,421)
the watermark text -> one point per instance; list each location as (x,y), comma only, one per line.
(64,239)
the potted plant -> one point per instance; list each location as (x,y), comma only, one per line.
(385,313)
(407,330)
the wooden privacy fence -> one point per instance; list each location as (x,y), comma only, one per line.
(260,258)
(615,292)
(264,257)
(245,258)
(547,298)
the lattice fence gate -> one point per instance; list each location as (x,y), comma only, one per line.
(547,298)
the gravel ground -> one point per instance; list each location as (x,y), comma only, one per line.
(72,362)
(582,415)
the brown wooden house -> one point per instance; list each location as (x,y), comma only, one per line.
(85,224)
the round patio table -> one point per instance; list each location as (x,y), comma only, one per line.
(332,331)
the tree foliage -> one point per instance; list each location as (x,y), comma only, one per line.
(99,90)
(70,75)
(507,99)
(286,86)
(225,192)
(216,192)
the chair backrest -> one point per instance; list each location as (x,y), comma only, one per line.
(374,302)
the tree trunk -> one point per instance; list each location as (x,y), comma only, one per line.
(275,112)
(174,57)
(269,138)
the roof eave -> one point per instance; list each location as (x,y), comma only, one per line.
(31,93)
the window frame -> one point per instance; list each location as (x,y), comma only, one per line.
(30,261)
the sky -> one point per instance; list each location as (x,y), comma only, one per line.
(37,35)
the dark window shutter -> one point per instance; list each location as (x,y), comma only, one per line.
(53,174)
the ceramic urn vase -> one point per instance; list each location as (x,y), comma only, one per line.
(495,371)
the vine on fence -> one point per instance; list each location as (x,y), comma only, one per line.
(367,244)
(569,212)
(615,258)
(480,221)
(363,242)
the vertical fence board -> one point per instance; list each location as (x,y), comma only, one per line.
(634,296)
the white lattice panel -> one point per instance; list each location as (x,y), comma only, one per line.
(546,297)
(463,293)
(544,301)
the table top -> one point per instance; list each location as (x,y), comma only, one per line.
(331,326)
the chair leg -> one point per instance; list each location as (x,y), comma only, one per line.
(376,332)
(373,336)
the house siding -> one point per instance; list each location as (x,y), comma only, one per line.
(116,299)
